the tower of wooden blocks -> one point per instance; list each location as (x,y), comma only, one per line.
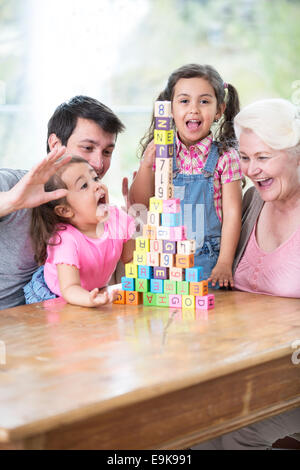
(162,272)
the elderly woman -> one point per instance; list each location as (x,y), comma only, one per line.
(268,255)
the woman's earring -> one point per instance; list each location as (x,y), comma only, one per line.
(216,120)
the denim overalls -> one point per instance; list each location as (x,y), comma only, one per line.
(196,194)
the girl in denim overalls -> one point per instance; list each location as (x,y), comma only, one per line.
(206,168)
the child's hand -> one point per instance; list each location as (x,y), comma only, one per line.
(102,297)
(221,273)
(149,155)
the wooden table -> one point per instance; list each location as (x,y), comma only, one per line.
(124,377)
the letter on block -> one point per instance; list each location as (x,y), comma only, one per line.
(162,300)
(163,179)
(188,301)
(156,246)
(157,286)
(155,204)
(153,218)
(162,109)
(186,247)
(176,274)
(205,302)
(142,285)
(169,247)
(170,287)
(199,288)
(165,191)
(163,233)
(184,261)
(133,298)
(128,283)
(160,272)
(171,206)
(175,301)
(149,299)
(164,151)
(163,137)
(194,274)
(149,231)
(130,270)
(183,288)
(152,259)
(142,244)
(164,124)
(167,260)
(120,297)
(145,272)
(139,258)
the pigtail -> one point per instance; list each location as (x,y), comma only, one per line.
(226,135)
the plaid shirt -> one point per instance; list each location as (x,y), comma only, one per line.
(191,162)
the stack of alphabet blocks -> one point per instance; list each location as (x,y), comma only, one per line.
(162,272)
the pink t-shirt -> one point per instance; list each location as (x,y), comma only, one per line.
(96,258)
(274,273)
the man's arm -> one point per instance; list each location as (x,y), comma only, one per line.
(29,191)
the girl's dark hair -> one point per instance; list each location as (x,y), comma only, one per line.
(224,135)
(44,221)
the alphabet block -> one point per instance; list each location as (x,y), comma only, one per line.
(178,233)
(149,299)
(164,151)
(164,124)
(199,288)
(130,270)
(133,298)
(170,287)
(139,258)
(156,246)
(163,179)
(184,261)
(171,220)
(152,259)
(142,244)
(160,272)
(149,231)
(188,301)
(163,137)
(183,288)
(145,272)
(167,260)
(163,233)
(175,301)
(162,109)
(165,191)
(205,302)
(155,204)
(156,286)
(153,218)
(194,274)
(186,247)
(162,300)
(142,285)
(169,247)
(171,206)
(121,298)
(163,165)
(176,274)
(128,283)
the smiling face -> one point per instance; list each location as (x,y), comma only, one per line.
(85,196)
(194,109)
(275,173)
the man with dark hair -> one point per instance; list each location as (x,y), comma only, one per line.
(81,126)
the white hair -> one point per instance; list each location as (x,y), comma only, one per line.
(275,121)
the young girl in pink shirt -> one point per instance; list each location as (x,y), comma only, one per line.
(206,167)
(80,237)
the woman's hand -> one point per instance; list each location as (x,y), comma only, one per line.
(149,155)
(221,273)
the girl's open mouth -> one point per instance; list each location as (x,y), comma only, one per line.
(102,200)
(193,124)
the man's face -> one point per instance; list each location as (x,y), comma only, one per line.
(92,143)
